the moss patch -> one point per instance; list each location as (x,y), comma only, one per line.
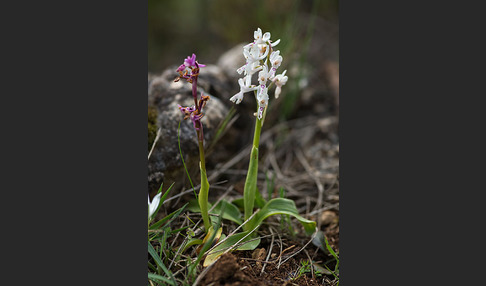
(152,126)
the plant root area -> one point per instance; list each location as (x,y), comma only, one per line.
(284,265)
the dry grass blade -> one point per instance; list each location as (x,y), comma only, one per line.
(181,246)
(311,263)
(155,142)
(333,206)
(295,253)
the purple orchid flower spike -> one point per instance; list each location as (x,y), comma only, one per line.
(195,114)
(189,71)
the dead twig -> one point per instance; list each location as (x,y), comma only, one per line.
(269,252)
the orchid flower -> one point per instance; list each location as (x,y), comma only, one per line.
(237,98)
(257,55)
(152,206)
(189,70)
(279,81)
(275,60)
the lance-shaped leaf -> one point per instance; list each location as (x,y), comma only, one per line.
(251,184)
(244,243)
(203,198)
(280,206)
(231,211)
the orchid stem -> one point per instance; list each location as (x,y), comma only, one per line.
(251,178)
(204,191)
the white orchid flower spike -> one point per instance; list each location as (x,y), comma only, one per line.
(258,55)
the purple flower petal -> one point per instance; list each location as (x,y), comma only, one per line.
(181,68)
(191,61)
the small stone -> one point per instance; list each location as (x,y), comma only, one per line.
(259,255)
(328,217)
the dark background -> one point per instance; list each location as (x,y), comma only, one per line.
(76,159)
(208,28)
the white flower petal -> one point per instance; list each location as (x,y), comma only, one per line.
(278,89)
(237,98)
(257,34)
(275,43)
(266,37)
(241,69)
(154,204)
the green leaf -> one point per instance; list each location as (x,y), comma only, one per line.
(168,218)
(179,229)
(191,242)
(281,206)
(203,197)
(239,203)
(251,184)
(159,262)
(158,279)
(270,186)
(231,211)
(259,200)
(329,248)
(206,246)
(230,242)
(162,199)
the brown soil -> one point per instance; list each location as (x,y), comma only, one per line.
(245,267)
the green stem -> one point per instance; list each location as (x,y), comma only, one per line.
(204,191)
(251,178)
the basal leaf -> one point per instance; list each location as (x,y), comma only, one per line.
(281,206)
(231,211)
(251,184)
(229,243)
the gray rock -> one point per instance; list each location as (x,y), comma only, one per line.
(231,60)
(165,164)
